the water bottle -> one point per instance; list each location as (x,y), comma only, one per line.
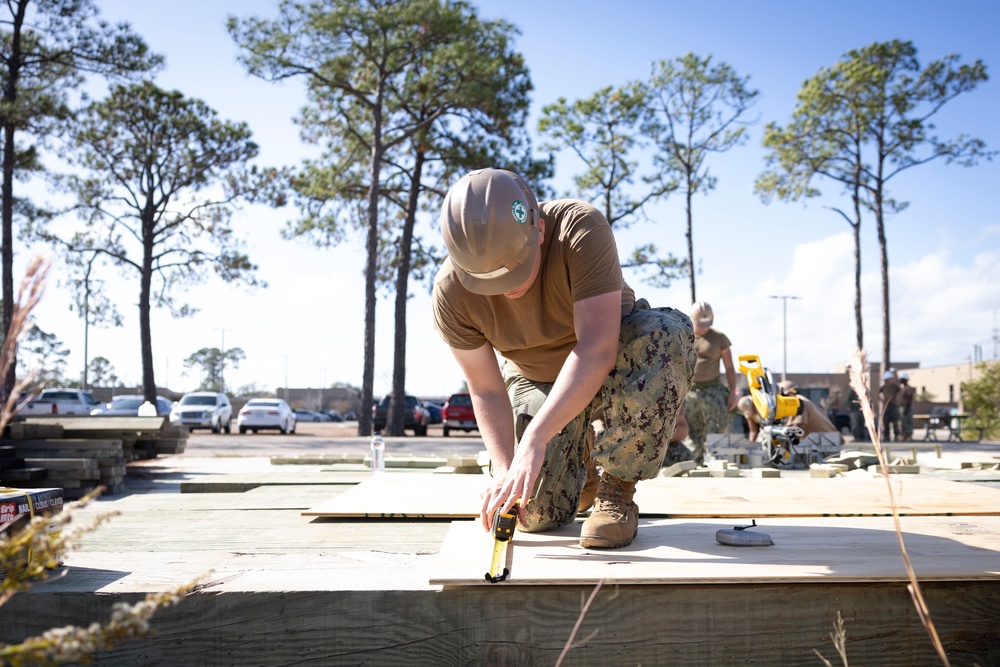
(378,454)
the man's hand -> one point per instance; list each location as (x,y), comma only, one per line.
(516,485)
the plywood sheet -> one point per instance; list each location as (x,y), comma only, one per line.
(803,496)
(427,495)
(680,551)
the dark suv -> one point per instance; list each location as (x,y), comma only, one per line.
(415,416)
(458,415)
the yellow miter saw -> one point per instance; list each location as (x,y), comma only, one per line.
(777,439)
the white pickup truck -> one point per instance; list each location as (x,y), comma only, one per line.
(59,402)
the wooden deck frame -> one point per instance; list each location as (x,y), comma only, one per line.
(290,589)
(684,625)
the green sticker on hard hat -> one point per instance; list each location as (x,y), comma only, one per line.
(519,210)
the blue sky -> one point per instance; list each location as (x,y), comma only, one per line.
(307,326)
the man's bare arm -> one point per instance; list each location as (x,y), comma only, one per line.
(494,415)
(597,321)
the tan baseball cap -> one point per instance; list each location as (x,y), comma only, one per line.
(490,224)
(701,314)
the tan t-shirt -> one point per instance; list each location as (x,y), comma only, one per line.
(536,332)
(709,348)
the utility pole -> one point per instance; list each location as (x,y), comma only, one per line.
(222,361)
(996,334)
(784,331)
(286,378)
(86,320)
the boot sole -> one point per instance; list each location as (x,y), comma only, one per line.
(599,542)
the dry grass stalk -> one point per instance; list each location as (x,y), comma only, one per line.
(839,638)
(28,555)
(579,621)
(28,296)
(860,383)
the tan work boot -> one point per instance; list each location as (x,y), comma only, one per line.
(615,519)
(590,488)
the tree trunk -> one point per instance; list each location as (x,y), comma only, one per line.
(857,259)
(397,407)
(7,193)
(883,256)
(371,270)
(884,259)
(690,238)
(145,292)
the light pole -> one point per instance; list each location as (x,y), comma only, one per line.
(784,331)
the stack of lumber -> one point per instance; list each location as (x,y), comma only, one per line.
(78,454)
(13,469)
(171,440)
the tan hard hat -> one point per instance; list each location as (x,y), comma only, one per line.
(701,314)
(490,224)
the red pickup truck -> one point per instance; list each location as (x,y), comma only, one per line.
(457,415)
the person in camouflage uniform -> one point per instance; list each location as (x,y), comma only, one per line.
(708,402)
(541,286)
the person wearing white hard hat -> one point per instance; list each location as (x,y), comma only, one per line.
(709,401)
(890,413)
(541,286)
(904,406)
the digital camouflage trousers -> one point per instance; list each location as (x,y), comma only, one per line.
(638,403)
(707,411)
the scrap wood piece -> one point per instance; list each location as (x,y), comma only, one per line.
(684,551)
(409,496)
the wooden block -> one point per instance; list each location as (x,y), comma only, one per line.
(82,468)
(903,469)
(700,472)
(822,472)
(718,464)
(726,472)
(678,468)
(22,430)
(766,472)
(459,461)
(11,463)
(22,475)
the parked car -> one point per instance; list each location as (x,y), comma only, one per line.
(128,405)
(334,415)
(458,414)
(203,409)
(303,415)
(415,415)
(435,411)
(59,402)
(266,413)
